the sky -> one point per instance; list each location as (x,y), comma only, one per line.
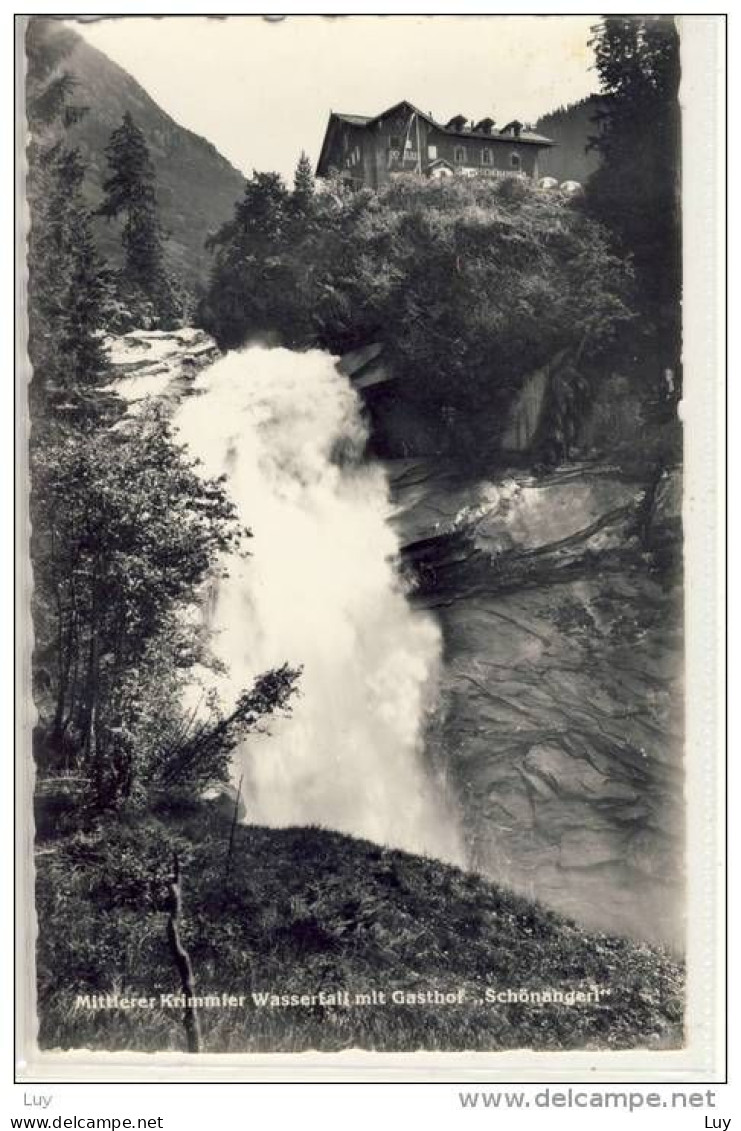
(261,89)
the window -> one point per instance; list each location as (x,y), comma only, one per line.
(395,141)
(460,154)
(432,152)
(515,161)
(486,157)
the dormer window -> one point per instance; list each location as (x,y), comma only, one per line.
(406,139)
(514,128)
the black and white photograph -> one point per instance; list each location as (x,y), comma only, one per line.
(354,575)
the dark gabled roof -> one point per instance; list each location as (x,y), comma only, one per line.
(354,119)
(361,120)
(398,106)
(526,137)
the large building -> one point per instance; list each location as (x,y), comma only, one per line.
(370,151)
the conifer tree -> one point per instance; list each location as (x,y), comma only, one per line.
(130,192)
(303,183)
(635,191)
(67,287)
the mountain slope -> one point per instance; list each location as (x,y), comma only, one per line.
(196,186)
(570,127)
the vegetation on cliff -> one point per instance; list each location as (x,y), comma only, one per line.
(126,531)
(470,284)
(473,284)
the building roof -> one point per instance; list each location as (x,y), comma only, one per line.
(526,137)
(354,119)
(438,161)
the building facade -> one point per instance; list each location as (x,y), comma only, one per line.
(371,151)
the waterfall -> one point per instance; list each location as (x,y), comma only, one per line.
(319,589)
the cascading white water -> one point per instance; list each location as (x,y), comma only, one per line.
(319,590)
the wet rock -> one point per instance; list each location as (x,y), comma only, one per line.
(651,853)
(512,805)
(665,520)
(567,776)
(560,694)
(590,848)
(537,515)
(160,363)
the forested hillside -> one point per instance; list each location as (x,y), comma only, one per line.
(571,127)
(180,158)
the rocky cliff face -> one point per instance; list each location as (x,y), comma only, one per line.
(561,708)
(559,722)
(610,421)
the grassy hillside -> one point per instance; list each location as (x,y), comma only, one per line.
(196,187)
(305,910)
(570,127)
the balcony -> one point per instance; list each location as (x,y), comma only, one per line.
(490,171)
(402,160)
(503,174)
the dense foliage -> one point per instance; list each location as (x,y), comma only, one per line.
(67,282)
(469,284)
(126,531)
(635,191)
(149,296)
